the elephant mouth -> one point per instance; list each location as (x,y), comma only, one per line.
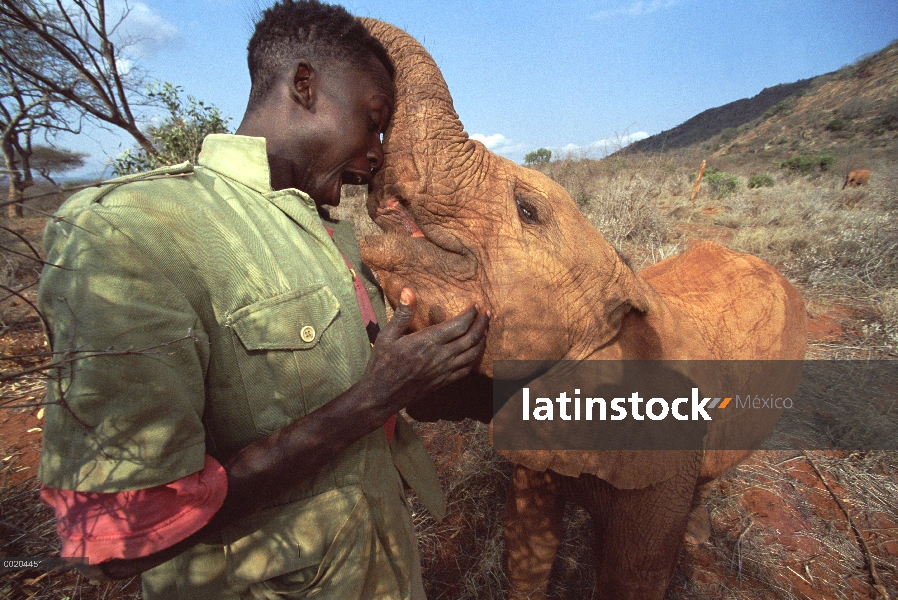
(408,248)
(394,217)
(433,262)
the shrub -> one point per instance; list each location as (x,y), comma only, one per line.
(888,119)
(759,181)
(728,135)
(858,108)
(837,125)
(783,107)
(624,208)
(721,183)
(180,135)
(806,164)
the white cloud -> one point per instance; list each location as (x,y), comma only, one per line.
(600,148)
(499,144)
(124,65)
(512,150)
(143,32)
(636,9)
(490,141)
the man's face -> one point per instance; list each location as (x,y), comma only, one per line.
(353,108)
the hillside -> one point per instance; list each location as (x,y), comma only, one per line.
(855,106)
(713,121)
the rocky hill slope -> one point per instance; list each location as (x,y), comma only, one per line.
(855,106)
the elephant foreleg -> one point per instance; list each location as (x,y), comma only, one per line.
(533,527)
(698,528)
(639,532)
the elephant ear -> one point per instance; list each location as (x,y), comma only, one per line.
(624,469)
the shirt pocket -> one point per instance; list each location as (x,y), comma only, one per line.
(293,320)
(289,350)
(324,543)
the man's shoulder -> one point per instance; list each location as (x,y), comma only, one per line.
(171,200)
(136,190)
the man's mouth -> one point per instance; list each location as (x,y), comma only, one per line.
(356,177)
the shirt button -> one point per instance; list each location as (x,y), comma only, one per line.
(307,333)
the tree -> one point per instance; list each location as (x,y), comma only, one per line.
(179,137)
(64,49)
(47,159)
(24,111)
(538,157)
(19,115)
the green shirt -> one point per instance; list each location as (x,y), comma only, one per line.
(198,311)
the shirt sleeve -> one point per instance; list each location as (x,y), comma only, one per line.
(103,526)
(125,406)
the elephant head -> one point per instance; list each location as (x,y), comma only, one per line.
(465,225)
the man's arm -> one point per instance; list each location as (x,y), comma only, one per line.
(402,369)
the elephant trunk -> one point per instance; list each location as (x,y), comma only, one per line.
(426,139)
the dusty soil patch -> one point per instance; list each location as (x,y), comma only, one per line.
(21,434)
(778,532)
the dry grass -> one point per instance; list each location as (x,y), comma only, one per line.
(781,533)
(462,555)
(352,207)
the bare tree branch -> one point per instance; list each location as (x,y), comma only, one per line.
(71,56)
(74,356)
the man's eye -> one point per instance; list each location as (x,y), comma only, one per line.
(526,212)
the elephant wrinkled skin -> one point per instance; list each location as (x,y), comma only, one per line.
(464,225)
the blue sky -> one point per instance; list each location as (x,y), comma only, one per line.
(564,75)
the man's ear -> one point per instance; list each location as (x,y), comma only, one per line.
(305,84)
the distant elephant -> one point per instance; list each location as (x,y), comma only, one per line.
(857,178)
(465,225)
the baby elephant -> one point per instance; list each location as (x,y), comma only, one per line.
(857,178)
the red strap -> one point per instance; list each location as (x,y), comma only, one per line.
(368,318)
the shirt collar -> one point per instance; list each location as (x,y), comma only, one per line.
(238,157)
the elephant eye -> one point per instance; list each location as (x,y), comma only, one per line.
(526,211)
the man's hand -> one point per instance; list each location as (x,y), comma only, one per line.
(407,367)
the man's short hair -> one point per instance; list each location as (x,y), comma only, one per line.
(308,29)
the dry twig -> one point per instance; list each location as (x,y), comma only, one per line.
(877,584)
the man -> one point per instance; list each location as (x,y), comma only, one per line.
(221,421)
